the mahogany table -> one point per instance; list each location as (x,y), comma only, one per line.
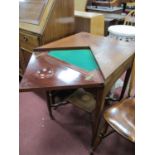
(113,58)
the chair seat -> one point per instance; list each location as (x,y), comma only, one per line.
(121,117)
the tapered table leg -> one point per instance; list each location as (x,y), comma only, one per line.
(49,103)
(97,120)
(126,80)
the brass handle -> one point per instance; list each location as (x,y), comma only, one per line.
(25,39)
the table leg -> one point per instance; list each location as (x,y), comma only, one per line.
(101,94)
(126,80)
(49,103)
(98,126)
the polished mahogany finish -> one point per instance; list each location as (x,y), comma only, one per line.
(45,72)
(109,53)
(121,117)
(113,57)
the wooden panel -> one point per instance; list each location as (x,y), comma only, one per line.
(61,23)
(38,28)
(97,25)
(82,24)
(80,5)
(31,11)
(89,22)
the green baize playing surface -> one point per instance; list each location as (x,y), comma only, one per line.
(82,58)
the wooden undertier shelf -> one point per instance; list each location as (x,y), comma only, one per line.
(83,99)
(89,22)
(40,22)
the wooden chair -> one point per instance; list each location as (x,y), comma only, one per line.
(130,4)
(121,116)
(130,18)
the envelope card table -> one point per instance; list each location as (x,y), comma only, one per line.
(82,60)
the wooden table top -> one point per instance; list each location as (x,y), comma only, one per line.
(109,54)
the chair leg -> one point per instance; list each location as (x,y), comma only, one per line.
(106,135)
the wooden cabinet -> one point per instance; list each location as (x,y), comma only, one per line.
(89,22)
(40,22)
